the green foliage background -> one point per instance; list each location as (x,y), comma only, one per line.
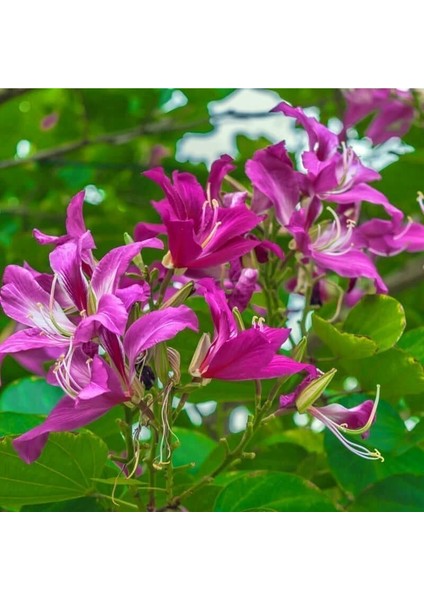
(106,138)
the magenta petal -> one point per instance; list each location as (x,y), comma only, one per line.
(30,339)
(219,169)
(182,243)
(282,366)
(156,327)
(364,192)
(66,416)
(102,394)
(114,264)
(322,141)
(238,358)
(75,225)
(271,172)
(66,263)
(111,314)
(234,222)
(44,239)
(138,292)
(351,264)
(276,336)
(146,231)
(21,295)
(184,194)
(236,247)
(354,418)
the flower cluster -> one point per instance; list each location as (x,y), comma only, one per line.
(102,327)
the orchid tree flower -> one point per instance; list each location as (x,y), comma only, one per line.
(334,172)
(341,421)
(201,232)
(92,303)
(75,230)
(388,238)
(236,355)
(331,247)
(94,386)
(392,109)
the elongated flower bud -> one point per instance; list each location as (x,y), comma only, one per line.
(180,295)
(313,391)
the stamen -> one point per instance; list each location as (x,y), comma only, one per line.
(357,449)
(211,234)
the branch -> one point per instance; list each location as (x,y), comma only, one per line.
(8,94)
(124,137)
(411,274)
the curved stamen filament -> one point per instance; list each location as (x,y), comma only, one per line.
(357,449)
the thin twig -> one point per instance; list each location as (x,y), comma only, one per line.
(123,137)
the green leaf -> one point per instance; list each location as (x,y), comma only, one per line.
(15,423)
(64,470)
(340,343)
(378,317)
(32,396)
(194,447)
(354,473)
(400,493)
(272,491)
(413,343)
(373,325)
(398,373)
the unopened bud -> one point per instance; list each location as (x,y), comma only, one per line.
(137,260)
(161,362)
(180,296)
(199,355)
(313,391)
(299,350)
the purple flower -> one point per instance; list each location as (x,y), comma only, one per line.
(330,245)
(90,303)
(94,386)
(243,285)
(392,109)
(240,355)
(334,175)
(201,232)
(273,176)
(388,238)
(341,421)
(75,230)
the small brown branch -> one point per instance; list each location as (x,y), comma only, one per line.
(9,94)
(411,274)
(124,137)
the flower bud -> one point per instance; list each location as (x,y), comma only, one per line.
(180,295)
(313,391)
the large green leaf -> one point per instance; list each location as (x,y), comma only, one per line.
(272,491)
(354,473)
(378,317)
(400,493)
(15,423)
(413,343)
(340,343)
(64,470)
(398,373)
(373,325)
(30,396)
